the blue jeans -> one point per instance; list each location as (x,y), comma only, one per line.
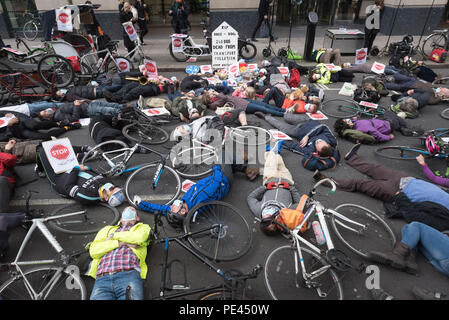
(37,107)
(255,105)
(113,286)
(433,244)
(98,108)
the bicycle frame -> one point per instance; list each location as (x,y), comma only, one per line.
(27,81)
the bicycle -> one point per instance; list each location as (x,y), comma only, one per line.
(213,231)
(197,159)
(137,53)
(437,39)
(56,278)
(111,159)
(346,108)
(410,153)
(190,48)
(303,270)
(31,28)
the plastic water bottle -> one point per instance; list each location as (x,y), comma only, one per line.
(320,239)
(99,62)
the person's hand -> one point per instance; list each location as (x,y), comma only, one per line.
(77,103)
(10,145)
(421,160)
(391,136)
(410,92)
(137,200)
(13,121)
(304,141)
(83,167)
(265,17)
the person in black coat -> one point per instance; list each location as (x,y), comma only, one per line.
(264,6)
(141,8)
(126,16)
(179,13)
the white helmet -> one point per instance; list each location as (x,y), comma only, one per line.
(181,131)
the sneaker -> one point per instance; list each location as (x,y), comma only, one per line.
(424,294)
(39,173)
(74,126)
(317,175)
(254,40)
(259,114)
(141,102)
(352,151)
(380,294)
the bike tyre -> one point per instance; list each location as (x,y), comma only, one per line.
(432,42)
(184,59)
(30,30)
(19,281)
(185,170)
(237,241)
(98,154)
(145,131)
(110,219)
(68,70)
(382,242)
(445,114)
(135,174)
(244,49)
(284,269)
(258,130)
(330,110)
(414,152)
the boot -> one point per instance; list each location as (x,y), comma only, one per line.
(410,263)
(318,176)
(395,258)
(109,96)
(252,173)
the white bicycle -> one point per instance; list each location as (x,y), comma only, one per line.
(304,270)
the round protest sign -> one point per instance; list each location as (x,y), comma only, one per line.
(59,152)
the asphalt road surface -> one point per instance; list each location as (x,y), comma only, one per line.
(397,283)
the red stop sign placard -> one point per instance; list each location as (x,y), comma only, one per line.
(153,111)
(379,67)
(234,69)
(59,152)
(177,42)
(150,67)
(129,29)
(123,65)
(361,55)
(2,122)
(64,18)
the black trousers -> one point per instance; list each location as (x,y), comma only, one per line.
(259,23)
(143,28)
(370,35)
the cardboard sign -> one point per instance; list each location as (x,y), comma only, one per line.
(60,154)
(4,120)
(361,55)
(317,116)
(84,122)
(378,68)
(206,69)
(130,31)
(224,46)
(284,71)
(332,67)
(186,185)
(192,69)
(234,70)
(279,135)
(64,20)
(177,44)
(123,65)
(150,68)
(156,112)
(368,104)
(252,67)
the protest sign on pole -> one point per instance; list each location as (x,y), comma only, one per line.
(64,20)
(361,55)
(130,31)
(224,46)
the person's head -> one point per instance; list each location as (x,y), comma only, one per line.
(379,3)
(126,6)
(88,2)
(190,94)
(443,93)
(111,194)
(267,225)
(324,149)
(177,213)
(46,114)
(314,77)
(315,100)
(250,93)
(408,105)
(341,125)
(181,131)
(311,107)
(194,114)
(129,216)
(61,93)
(346,65)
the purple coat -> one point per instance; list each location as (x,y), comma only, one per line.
(379,129)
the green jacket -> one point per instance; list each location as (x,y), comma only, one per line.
(325,73)
(179,104)
(356,135)
(107,240)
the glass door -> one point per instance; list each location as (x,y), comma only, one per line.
(16,12)
(324,8)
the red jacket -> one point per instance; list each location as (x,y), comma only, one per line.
(7,163)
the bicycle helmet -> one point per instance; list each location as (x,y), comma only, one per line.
(432,146)
(181,131)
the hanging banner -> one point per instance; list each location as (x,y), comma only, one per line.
(64,20)
(378,68)
(130,31)
(60,154)
(361,55)
(224,46)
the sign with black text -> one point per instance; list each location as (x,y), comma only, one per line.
(224,46)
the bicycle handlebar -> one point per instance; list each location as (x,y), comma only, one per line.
(334,186)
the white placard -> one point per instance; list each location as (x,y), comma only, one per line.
(284,71)
(361,55)
(84,122)
(279,135)
(64,20)
(156,111)
(186,185)
(378,68)
(368,104)
(60,154)
(317,116)
(123,65)
(130,31)
(206,69)
(224,46)
(332,67)
(252,67)
(150,68)
(4,120)
(234,70)
(177,44)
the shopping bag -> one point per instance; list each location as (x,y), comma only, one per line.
(264,30)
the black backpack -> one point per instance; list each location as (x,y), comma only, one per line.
(361,94)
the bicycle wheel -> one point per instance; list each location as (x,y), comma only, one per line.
(284,281)
(247,51)
(217,295)
(340,108)
(57,70)
(401,152)
(113,66)
(251,136)
(106,155)
(433,42)
(140,183)
(374,235)
(39,278)
(229,240)
(30,30)
(92,221)
(442,81)
(146,133)
(178,56)
(445,113)
(194,162)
